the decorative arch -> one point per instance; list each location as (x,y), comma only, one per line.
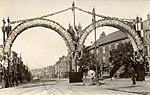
(133,36)
(39,23)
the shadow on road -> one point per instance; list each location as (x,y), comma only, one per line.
(143,93)
(37,83)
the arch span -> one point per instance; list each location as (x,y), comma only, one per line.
(39,23)
(133,36)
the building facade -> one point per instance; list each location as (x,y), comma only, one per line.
(62,67)
(146,39)
(104,45)
(59,70)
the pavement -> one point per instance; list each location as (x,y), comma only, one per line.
(121,86)
(125,85)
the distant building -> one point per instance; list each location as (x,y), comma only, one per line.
(62,67)
(50,72)
(104,45)
(146,29)
(36,72)
(59,70)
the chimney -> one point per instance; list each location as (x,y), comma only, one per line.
(148,16)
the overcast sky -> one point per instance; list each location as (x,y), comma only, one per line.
(40,47)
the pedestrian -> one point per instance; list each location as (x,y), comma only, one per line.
(117,74)
(133,76)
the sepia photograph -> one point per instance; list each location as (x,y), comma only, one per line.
(74,47)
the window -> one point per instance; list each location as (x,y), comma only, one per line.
(116,45)
(103,49)
(109,55)
(92,51)
(109,47)
(104,59)
(97,50)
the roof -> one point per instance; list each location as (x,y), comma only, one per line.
(112,37)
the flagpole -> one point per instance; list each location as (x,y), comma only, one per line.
(94,21)
(73,10)
(76,35)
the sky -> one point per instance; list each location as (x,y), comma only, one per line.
(41,47)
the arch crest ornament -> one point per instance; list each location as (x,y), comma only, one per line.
(130,32)
(39,23)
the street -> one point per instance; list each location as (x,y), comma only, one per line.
(62,87)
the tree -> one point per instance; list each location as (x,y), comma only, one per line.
(121,57)
(88,60)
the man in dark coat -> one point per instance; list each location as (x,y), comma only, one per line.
(133,76)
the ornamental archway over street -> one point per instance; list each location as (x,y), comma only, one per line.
(39,23)
(130,32)
(75,40)
(74,45)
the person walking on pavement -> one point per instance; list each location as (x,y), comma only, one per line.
(133,76)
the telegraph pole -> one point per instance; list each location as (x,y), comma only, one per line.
(94,20)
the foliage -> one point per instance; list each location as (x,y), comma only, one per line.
(121,56)
(88,59)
